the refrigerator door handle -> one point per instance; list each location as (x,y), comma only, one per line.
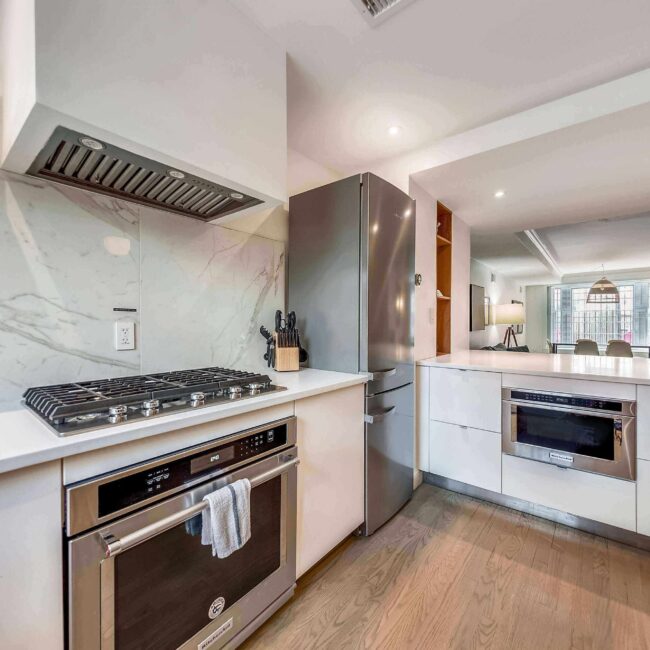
(372,418)
(382,374)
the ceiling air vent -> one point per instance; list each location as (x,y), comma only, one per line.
(83,161)
(376,11)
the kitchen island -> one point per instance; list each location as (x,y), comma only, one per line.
(472,407)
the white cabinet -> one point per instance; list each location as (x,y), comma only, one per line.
(466,397)
(31,564)
(331,472)
(643,497)
(465,454)
(422,418)
(643,422)
(601,498)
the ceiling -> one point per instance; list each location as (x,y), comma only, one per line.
(436,68)
(621,244)
(592,170)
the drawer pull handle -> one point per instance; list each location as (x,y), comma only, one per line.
(373,418)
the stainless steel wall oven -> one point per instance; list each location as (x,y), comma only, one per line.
(594,434)
(138,575)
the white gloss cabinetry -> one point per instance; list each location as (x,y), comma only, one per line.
(643,423)
(331,472)
(643,497)
(468,398)
(422,419)
(31,565)
(593,496)
(465,454)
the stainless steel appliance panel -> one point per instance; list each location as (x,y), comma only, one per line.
(388,284)
(389,454)
(145,579)
(592,434)
(323,278)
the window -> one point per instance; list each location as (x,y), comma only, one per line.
(573,318)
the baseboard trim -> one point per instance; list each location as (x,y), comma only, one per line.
(581,523)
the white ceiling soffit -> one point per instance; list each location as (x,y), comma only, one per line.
(594,170)
(376,11)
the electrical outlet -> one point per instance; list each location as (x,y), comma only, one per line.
(124,335)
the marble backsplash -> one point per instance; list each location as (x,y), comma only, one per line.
(69,257)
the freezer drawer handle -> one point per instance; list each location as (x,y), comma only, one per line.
(382,374)
(114,545)
(372,418)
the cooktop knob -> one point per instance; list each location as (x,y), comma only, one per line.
(255,388)
(234,392)
(197,399)
(117,413)
(150,407)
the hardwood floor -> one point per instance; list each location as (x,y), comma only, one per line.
(450,571)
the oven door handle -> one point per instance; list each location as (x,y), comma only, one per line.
(115,545)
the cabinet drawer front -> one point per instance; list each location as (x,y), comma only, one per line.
(600,498)
(464,454)
(643,423)
(466,397)
(643,497)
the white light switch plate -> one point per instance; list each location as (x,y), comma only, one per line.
(124,335)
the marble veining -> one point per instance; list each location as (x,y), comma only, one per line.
(69,257)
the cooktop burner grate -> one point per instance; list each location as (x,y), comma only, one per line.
(66,406)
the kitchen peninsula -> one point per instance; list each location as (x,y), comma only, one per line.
(486,420)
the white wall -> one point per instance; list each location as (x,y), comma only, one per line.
(502,290)
(537,317)
(304,174)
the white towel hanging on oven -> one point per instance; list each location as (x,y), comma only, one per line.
(227,519)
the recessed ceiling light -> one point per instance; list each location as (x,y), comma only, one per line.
(499,194)
(394,130)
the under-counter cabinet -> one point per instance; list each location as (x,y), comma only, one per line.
(330,475)
(464,454)
(592,496)
(643,497)
(466,397)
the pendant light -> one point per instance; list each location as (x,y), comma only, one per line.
(603,292)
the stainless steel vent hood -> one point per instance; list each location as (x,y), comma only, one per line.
(78,159)
(139,100)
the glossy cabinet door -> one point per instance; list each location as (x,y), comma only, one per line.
(330,474)
(643,496)
(643,422)
(464,454)
(466,397)
(593,496)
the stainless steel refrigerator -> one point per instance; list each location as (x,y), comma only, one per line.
(351,282)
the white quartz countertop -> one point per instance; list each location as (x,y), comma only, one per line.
(615,369)
(25,440)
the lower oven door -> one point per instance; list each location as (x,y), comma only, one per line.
(592,441)
(167,591)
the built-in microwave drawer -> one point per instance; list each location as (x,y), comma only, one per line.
(556,429)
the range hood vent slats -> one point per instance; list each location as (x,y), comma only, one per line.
(78,159)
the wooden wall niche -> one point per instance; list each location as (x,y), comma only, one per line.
(443,279)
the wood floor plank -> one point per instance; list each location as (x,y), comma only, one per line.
(454,572)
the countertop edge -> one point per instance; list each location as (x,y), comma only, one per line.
(91,441)
(505,368)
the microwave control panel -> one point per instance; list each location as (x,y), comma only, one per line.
(593,403)
(140,486)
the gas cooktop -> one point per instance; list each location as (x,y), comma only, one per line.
(84,406)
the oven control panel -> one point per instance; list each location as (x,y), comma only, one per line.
(559,399)
(140,486)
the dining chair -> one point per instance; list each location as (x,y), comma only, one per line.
(618,348)
(586,346)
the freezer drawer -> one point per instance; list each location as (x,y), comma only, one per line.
(390,435)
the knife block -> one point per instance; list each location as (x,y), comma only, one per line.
(286,359)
